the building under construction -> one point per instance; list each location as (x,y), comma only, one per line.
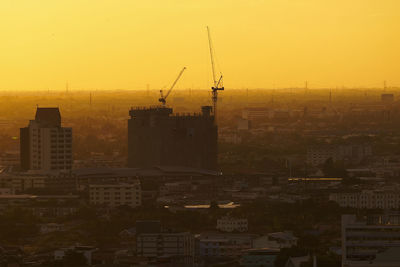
(157,137)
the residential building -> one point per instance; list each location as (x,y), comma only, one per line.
(254,113)
(51,227)
(230,224)
(166,245)
(113,195)
(223,245)
(371,241)
(367,199)
(318,155)
(86,251)
(259,257)
(277,240)
(10,158)
(297,261)
(44,144)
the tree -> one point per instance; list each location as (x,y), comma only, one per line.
(74,258)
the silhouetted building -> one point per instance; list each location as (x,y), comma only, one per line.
(156,137)
(44,144)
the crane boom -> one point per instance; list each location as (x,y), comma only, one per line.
(163,99)
(211,56)
(217,84)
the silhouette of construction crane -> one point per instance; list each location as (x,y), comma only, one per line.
(163,98)
(218,82)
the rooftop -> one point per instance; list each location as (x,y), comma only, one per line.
(48,117)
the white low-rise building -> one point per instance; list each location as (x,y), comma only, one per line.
(230,224)
(367,199)
(114,195)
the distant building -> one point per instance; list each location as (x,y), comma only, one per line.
(259,257)
(10,158)
(230,224)
(114,195)
(7,191)
(214,245)
(373,241)
(166,245)
(243,124)
(156,137)
(51,227)
(276,240)
(367,199)
(255,113)
(44,144)
(297,261)
(22,181)
(318,155)
(387,98)
(86,251)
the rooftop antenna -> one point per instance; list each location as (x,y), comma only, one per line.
(384,85)
(218,82)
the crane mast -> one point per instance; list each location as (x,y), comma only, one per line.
(163,99)
(217,83)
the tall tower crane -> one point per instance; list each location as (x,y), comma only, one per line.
(163,98)
(218,82)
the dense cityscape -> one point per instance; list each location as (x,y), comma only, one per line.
(284,177)
(228,133)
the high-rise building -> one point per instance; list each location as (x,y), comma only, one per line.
(156,137)
(44,144)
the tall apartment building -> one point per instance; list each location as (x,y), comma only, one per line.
(44,144)
(373,241)
(156,137)
(114,195)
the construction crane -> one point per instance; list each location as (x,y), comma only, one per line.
(163,99)
(218,82)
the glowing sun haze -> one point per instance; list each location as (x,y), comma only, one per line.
(108,44)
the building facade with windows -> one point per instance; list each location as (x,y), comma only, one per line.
(157,137)
(167,245)
(44,144)
(367,199)
(230,224)
(114,195)
(371,241)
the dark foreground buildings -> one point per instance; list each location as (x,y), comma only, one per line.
(44,144)
(156,137)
